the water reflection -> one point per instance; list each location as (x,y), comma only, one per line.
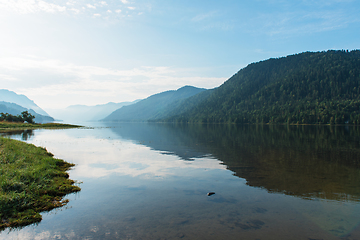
(180,140)
(23,134)
(98,152)
(304,161)
(150,181)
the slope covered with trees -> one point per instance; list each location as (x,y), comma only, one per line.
(305,88)
(155,106)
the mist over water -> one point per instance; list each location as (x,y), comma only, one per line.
(150,181)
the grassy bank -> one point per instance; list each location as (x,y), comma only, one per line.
(31,181)
(13,125)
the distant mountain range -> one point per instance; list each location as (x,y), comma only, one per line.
(14,104)
(154,107)
(83,113)
(22,100)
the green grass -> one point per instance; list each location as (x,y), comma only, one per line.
(31,181)
(13,125)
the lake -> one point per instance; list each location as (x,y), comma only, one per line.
(150,181)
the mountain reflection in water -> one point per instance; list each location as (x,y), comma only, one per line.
(304,161)
(150,181)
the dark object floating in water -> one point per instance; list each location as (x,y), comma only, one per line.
(210,193)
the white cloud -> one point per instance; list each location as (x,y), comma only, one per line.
(118,10)
(8,77)
(97,15)
(70,3)
(76,11)
(50,7)
(30,6)
(90,6)
(91,84)
(70,7)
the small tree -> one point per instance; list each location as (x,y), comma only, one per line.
(2,116)
(27,117)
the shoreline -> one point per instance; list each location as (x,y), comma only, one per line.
(31,181)
(23,126)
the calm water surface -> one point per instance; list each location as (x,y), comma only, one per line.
(150,181)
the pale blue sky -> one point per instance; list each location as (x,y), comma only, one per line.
(64,52)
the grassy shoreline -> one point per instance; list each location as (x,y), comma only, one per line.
(31,181)
(13,125)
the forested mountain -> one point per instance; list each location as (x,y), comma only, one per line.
(22,100)
(305,88)
(15,109)
(153,107)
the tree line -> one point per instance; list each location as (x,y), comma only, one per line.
(25,116)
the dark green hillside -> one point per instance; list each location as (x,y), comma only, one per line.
(306,88)
(181,106)
(154,106)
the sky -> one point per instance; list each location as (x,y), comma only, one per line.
(67,52)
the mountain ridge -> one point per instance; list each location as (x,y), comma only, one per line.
(15,109)
(22,100)
(153,106)
(304,88)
